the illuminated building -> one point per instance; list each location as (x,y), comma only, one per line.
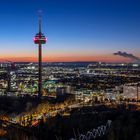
(131,92)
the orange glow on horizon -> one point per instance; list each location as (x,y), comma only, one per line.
(68,59)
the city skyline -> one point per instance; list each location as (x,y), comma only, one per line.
(77,30)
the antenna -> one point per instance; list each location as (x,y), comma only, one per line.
(40,19)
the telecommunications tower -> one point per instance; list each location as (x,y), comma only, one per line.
(40,39)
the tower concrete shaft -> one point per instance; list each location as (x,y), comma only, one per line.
(40,70)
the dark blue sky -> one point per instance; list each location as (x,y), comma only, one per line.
(76,29)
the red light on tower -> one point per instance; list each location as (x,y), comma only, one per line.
(40,39)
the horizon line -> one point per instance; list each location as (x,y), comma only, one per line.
(68,61)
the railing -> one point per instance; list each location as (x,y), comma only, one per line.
(94,133)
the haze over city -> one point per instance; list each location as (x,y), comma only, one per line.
(77,30)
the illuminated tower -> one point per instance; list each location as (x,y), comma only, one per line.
(40,39)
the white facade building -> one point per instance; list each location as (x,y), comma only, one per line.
(131,92)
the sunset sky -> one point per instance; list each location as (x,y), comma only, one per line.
(77,30)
